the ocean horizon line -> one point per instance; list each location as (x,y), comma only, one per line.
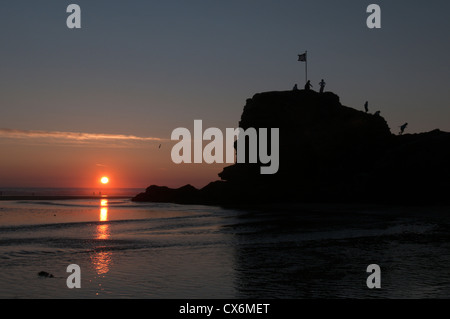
(69,191)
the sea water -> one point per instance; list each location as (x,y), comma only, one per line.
(150,250)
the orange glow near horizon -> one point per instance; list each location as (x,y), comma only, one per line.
(56,166)
(104,180)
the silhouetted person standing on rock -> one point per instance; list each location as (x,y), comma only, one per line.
(322,85)
(366,106)
(402,128)
(295,87)
(308,85)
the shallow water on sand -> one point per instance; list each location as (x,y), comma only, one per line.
(148,250)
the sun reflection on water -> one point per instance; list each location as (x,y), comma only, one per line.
(104,214)
(101,259)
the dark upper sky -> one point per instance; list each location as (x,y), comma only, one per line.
(147,67)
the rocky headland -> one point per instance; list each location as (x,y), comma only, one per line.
(328,153)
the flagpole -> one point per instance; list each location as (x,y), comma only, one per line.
(306,66)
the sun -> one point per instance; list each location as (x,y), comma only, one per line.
(104,180)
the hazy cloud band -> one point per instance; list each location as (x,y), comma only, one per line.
(75,136)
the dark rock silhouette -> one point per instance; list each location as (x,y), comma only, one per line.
(328,153)
(45,274)
(162,194)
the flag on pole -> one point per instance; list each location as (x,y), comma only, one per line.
(302,57)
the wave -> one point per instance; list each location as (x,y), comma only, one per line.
(124,203)
(161,222)
(75,203)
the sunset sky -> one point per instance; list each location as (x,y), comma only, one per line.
(79,104)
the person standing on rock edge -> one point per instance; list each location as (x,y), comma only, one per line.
(366,106)
(308,85)
(402,128)
(322,85)
(295,88)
